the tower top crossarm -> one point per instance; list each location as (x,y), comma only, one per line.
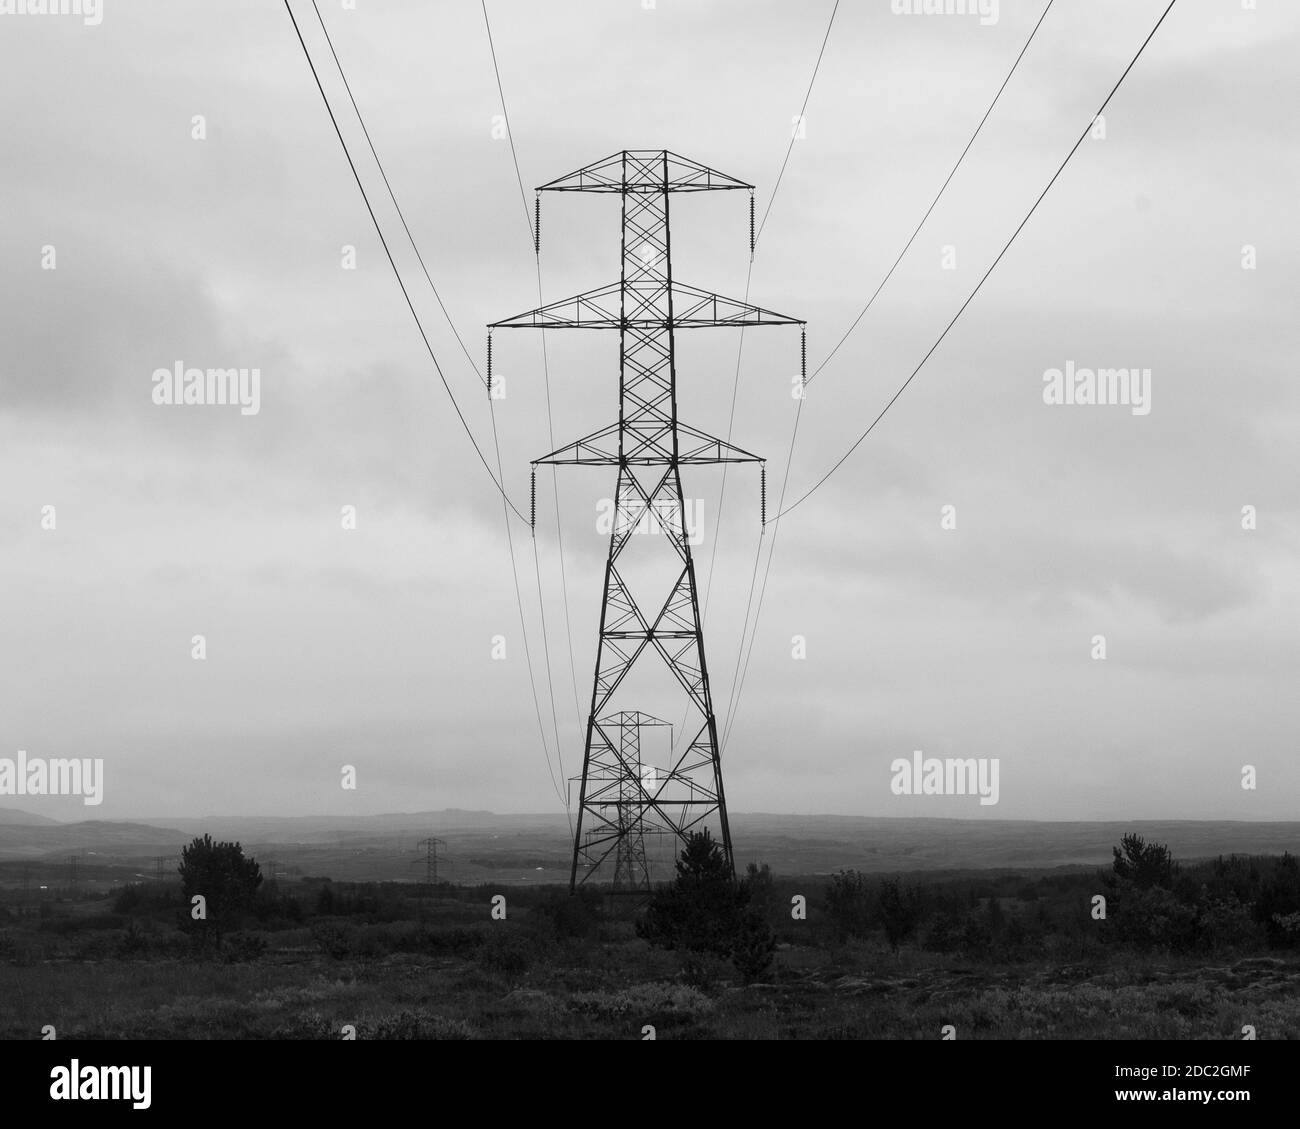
(645,170)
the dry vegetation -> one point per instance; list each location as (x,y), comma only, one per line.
(1002,956)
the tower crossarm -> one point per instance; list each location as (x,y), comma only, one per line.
(697,309)
(644,170)
(632,717)
(594,309)
(645,308)
(647,443)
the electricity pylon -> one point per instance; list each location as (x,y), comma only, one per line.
(431,858)
(633,783)
(648,445)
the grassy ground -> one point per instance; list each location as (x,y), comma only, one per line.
(516,986)
(993,956)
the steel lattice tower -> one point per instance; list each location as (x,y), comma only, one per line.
(648,445)
(635,782)
(431,858)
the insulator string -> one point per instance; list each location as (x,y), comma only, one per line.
(532,502)
(762,492)
(751,225)
(489,367)
(537,224)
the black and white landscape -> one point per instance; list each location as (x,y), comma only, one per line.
(353,685)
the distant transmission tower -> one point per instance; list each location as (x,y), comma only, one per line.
(642,611)
(431,858)
(634,782)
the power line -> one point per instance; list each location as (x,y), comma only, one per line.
(737,687)
(749,274)
(505,113)
(550,428)
(541,604)
(1082,137)
(559,525)
(507,505)
(907,246)
(740,349)
(736,678)
(523,627)
(392,196)
(546,655)
(794,133)
(783,510)
(396,273)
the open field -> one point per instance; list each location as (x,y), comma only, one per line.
(611,993)
(995,954)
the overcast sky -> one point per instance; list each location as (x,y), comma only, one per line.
(372,647)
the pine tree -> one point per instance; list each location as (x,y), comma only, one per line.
(225,879)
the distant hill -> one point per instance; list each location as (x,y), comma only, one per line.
(100,836)
(12,817)
(333,828)
(483,846)
(812,844)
